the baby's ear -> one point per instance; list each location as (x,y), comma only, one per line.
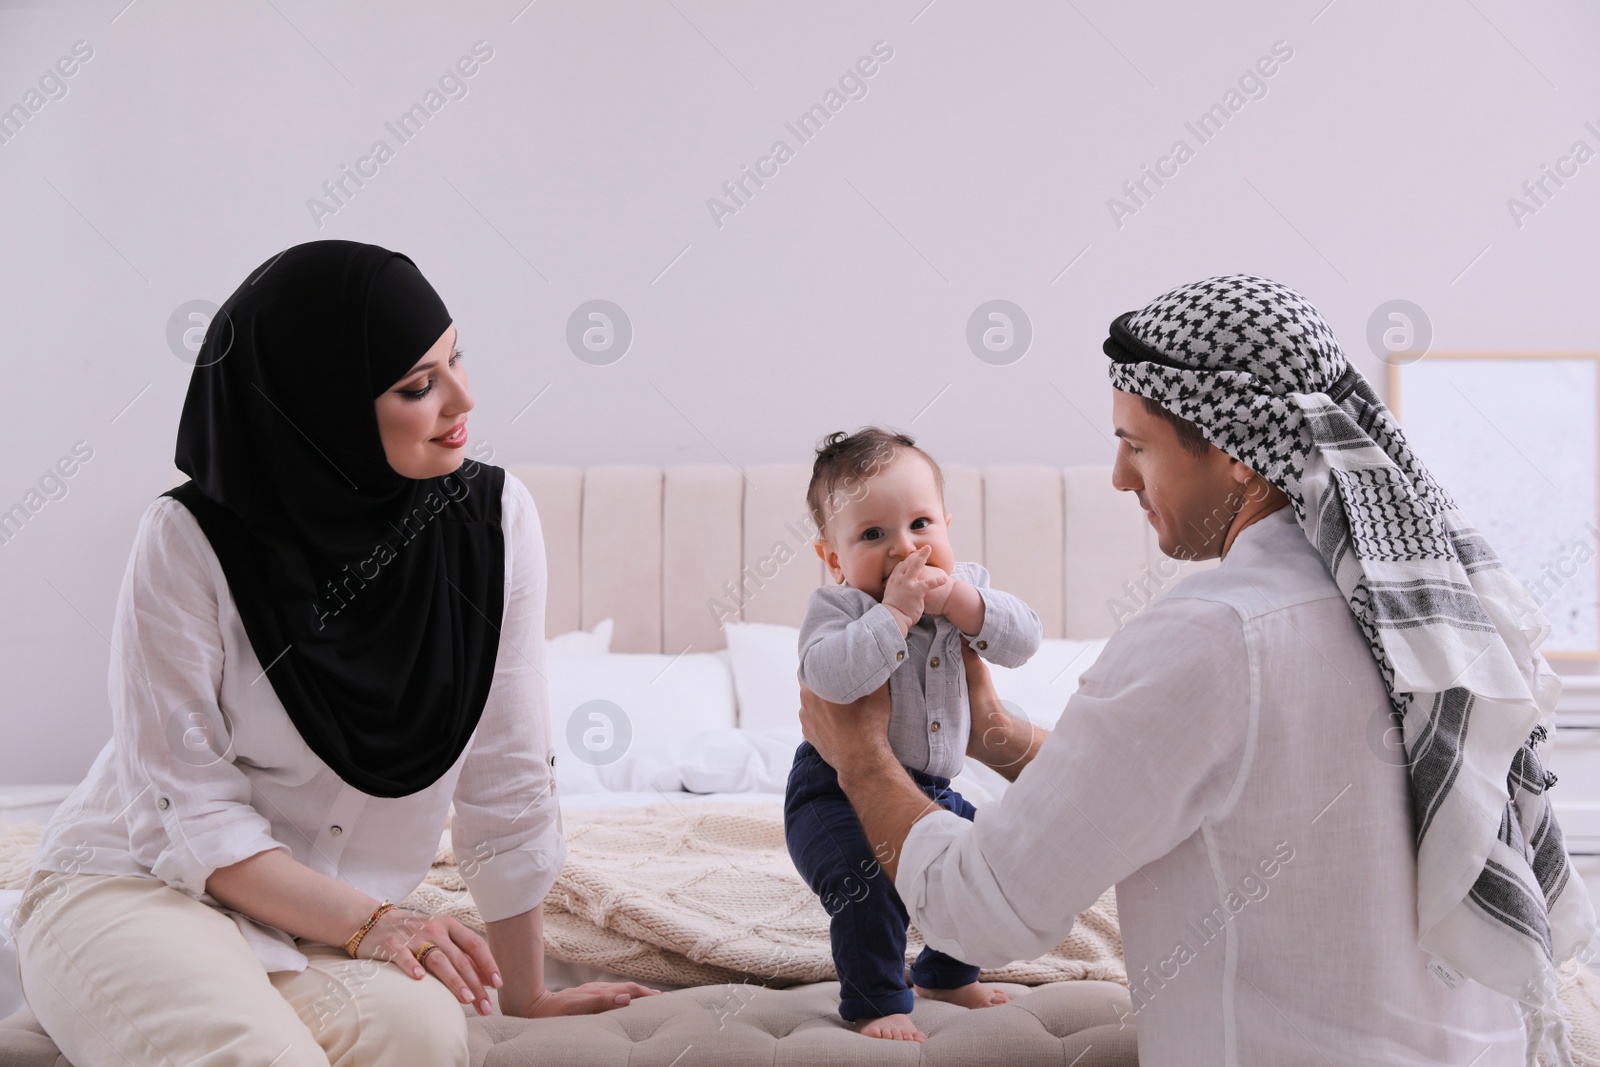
(947,518)
(822,550)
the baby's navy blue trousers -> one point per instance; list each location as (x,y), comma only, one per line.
(868,931)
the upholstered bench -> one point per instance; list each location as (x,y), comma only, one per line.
(1065,1023)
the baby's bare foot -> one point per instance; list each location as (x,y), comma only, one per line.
(892,1027)
(975,995)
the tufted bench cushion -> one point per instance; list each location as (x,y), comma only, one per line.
(734,1025)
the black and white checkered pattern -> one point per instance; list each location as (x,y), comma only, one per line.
(1455,636)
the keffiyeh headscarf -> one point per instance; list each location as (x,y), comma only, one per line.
(1455,636)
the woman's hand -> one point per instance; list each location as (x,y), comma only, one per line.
(462,960)
(587,999)
(998,739)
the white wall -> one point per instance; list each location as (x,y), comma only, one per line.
(578,166)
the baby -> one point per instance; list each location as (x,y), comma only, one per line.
(898,613)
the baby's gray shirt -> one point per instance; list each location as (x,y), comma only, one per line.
(850,643)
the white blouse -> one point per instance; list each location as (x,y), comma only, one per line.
(182,788)
(1224,765)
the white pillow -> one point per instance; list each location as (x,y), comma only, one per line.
(609,707)
(766,674)
(766,661)
(596,642)
(717,761)
(1039,689)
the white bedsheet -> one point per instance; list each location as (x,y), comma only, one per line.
(739,763)
(10,981)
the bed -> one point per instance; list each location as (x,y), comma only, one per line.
(673,599)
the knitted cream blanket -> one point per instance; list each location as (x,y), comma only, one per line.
(708,894)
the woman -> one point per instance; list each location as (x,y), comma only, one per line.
(333,630)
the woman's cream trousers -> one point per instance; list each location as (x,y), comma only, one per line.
(127,970)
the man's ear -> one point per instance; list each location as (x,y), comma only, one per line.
(1252,486)
(1239,472)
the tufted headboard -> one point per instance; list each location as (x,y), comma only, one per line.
(669,552)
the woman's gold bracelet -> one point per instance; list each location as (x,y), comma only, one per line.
(354,943)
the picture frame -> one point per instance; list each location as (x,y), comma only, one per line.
(1514,438)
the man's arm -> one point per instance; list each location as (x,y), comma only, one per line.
(1147,748)
(854,740)
(998,739)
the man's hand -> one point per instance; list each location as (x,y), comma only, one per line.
(848,735)
(853,739)
(998,739)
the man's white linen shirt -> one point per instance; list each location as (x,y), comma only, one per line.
(167,798)
(1222,764)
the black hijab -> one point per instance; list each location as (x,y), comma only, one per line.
(372,600)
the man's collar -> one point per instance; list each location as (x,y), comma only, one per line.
(1250,533)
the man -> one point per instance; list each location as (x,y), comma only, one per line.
(1289,892)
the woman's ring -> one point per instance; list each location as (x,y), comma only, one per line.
(423,950)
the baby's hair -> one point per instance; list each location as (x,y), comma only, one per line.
(851,458)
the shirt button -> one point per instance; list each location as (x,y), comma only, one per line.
(982,645)
(935,726)
(335,830)
(898,656)
(934,662)
(163,803)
